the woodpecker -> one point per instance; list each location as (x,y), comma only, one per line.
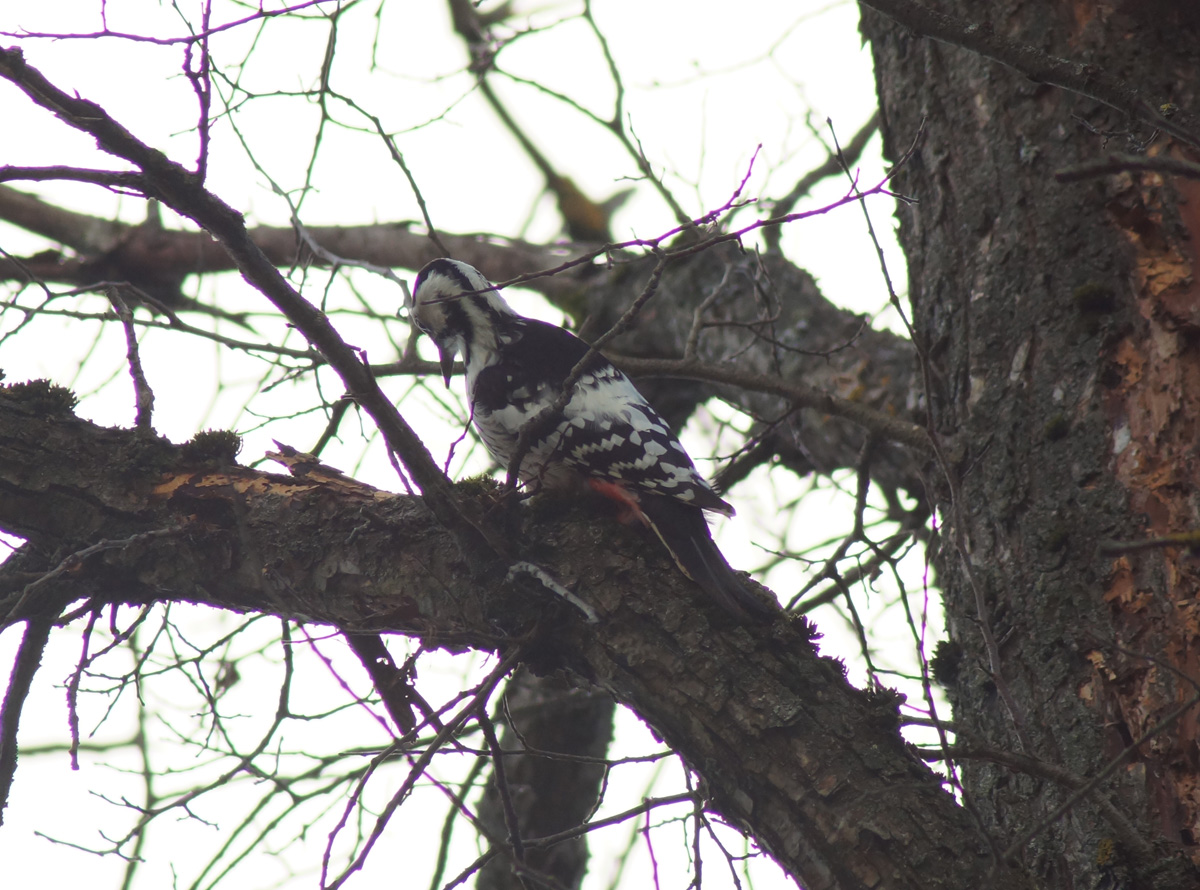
(607,437)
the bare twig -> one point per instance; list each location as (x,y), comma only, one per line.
(143,395)
(1119,163)
(200,77)
(832,164)
(398,157)
(392,684)
(1092,784)
(500,780)
(170,41)
(111,178)
(1129,835)
(543,577)
(457,800)
(885,425)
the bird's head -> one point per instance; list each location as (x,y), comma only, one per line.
(460,311)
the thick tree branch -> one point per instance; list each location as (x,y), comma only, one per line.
(814,768)
(105,247)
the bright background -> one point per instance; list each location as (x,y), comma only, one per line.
(705,86)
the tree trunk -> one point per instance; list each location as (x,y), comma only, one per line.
(1057,325)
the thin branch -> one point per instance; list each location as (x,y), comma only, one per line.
(500,780)
(28,660)
(1109,768)
(1119,163)
(142,393)
(110,178)
(200,78)
(169,41)
(389,681)
(885,425)
(617,124)
(398,157)
(448,731)
(457,802)
(832,165)
(1129,836)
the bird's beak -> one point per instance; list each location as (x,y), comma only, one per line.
(447,359)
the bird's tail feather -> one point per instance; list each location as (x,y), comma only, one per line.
(684,532)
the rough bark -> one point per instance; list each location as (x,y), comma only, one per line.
(786,747)
(1058,328)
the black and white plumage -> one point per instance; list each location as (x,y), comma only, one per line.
(608,436)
